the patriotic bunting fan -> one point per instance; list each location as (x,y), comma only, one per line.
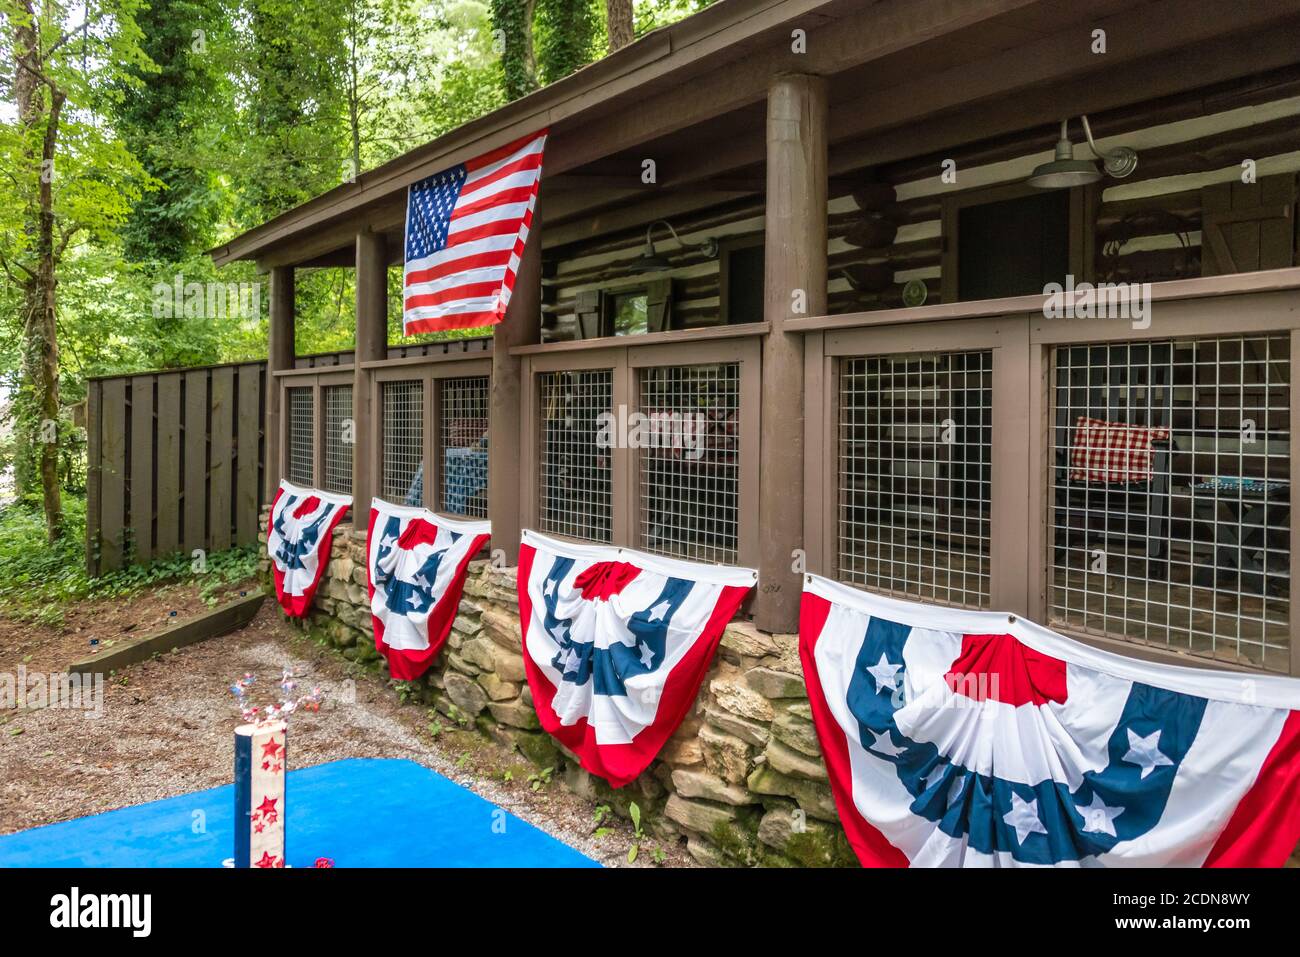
(416,566)
(616,643)
(299,536)
(958,738)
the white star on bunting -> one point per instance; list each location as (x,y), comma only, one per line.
(1145,752)
(1098,818)
(1023,816)
(886,674)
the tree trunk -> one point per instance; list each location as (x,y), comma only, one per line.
(618,18)
(40,106)
(513,22)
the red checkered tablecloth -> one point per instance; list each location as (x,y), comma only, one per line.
(1112,452)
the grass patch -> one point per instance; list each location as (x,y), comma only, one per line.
(38,579)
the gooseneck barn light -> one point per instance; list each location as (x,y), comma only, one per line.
(1065,171)
(651,261)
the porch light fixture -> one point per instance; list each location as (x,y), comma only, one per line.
(651,261)
(1065,171)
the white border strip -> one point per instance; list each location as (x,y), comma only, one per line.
(460,526)
(327,497)
(725,575)
(1271,691)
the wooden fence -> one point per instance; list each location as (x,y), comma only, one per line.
(174,462)
(175,459)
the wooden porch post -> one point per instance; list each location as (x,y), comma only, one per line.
(794,285)
(372,346)
(522,326)
(279,355)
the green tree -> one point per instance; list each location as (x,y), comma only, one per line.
(73,180)
(512,20)
(568,36)
(158,117)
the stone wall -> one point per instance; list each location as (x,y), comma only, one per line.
(742,780)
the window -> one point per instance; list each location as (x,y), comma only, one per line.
(1014,247)
(740,282)
(1170,506)
(690,471)
(651,446)
(575,470)
(915,442)
(463,439)
(627,314)
(433,434)
(339,438)
(402,469)
(1011,240)
(626,310)
(301,435)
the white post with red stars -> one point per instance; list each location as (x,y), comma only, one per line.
(259,794)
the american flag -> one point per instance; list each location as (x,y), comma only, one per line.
(465,234)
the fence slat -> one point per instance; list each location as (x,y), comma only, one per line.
(248,454)
(222,431)
(196,459)
(167,499)
(142,479)
(112,478)
(93,403)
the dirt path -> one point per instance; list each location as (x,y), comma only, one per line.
(165,730)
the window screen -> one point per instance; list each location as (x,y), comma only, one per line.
(1170,507)
(402,480)
(463,439)
(575,472)
(689,461)
(302,435)
(915,442)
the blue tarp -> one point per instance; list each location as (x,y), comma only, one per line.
(362,812)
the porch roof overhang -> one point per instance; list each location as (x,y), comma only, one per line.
(907,79)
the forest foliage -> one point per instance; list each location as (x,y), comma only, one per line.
(136,135)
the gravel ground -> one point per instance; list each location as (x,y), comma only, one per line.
(165,730)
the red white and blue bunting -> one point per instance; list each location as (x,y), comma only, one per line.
(959,738)
(616,644)
(416,566)
(299,536)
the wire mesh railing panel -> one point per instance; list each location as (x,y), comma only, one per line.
(402,468)
(302,435)
(914,462)
(575,472)
(689,482)
(463,441)
(337,400)
(1170,499)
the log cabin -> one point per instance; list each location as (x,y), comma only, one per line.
(834,228)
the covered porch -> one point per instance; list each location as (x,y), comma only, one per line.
(810,224)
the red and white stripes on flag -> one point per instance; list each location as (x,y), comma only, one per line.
(465,233)
(616,644)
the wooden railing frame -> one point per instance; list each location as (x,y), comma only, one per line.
(1022,338)
(626,358)
(429,372)
(317,380)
